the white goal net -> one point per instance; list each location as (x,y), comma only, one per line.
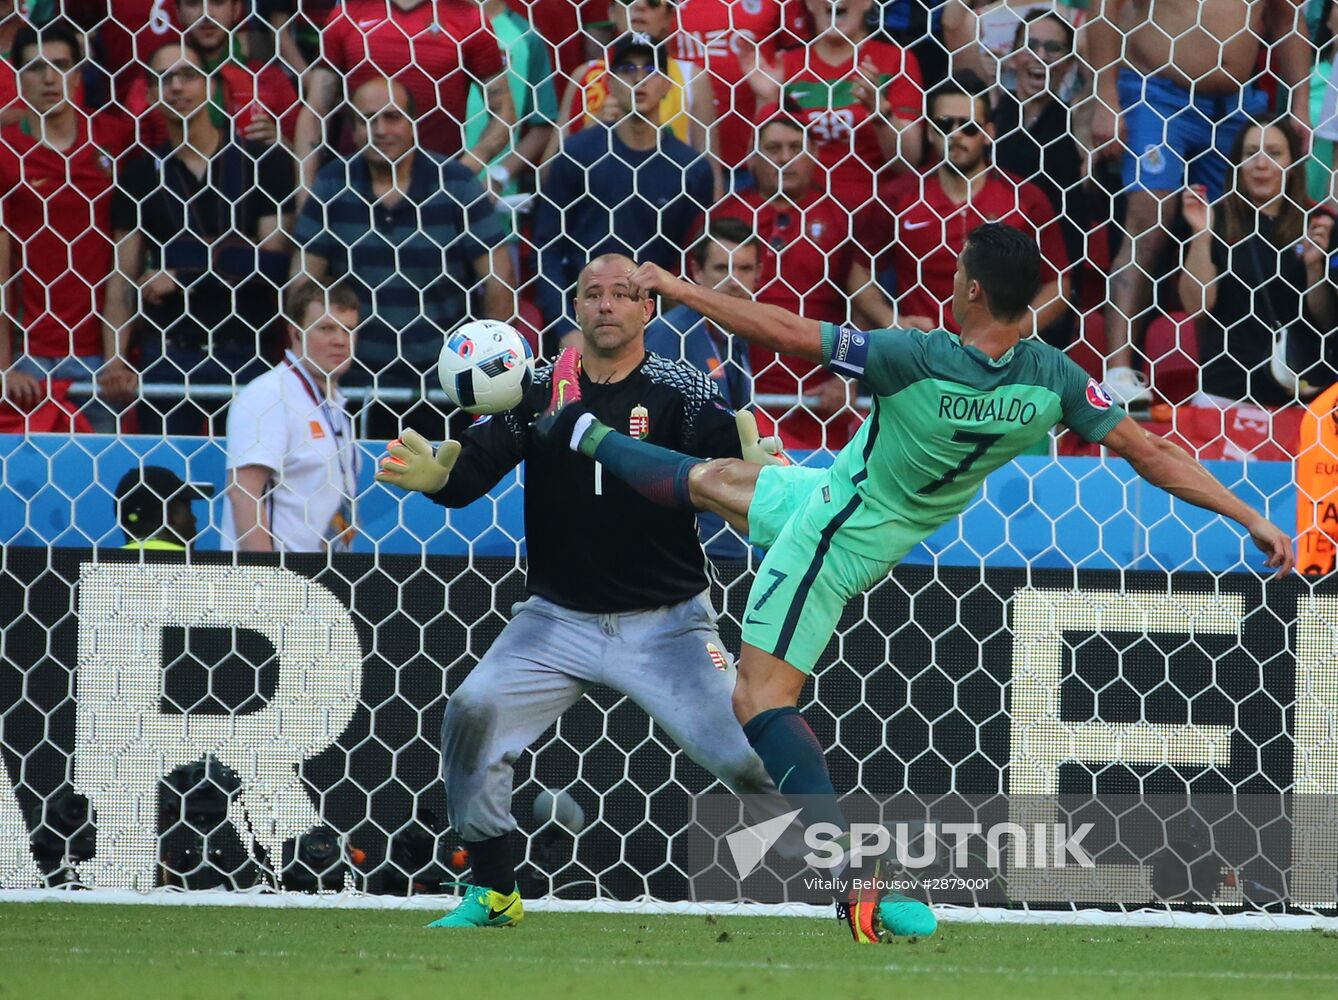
(198,197)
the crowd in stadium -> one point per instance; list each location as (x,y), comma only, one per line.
(172,169)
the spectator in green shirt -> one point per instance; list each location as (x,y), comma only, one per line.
(530,73)
(1323,109)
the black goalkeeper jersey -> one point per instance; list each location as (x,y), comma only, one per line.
(593,543)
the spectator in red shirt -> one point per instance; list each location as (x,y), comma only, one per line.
(259,98)
(129,32)
(56,244)
(725,37)
(919,223)
(568,28)
(807,257)
(861,97)
(11,109)
(436,48)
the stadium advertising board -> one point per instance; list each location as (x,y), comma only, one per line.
(208,724)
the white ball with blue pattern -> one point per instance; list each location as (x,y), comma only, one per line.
(485,366)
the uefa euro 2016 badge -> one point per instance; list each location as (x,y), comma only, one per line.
(1097,396)
(461,345)
(638,424)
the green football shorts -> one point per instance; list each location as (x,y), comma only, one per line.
(805,581)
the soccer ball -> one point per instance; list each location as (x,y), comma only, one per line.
(485,367)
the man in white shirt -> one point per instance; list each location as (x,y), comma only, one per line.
(292,458)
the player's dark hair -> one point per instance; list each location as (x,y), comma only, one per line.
(965,83)
(30,37)
(721,232)
(304,294)
(1007,263)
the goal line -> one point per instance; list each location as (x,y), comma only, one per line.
(645,906)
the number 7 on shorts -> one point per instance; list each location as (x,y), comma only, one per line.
(780,578)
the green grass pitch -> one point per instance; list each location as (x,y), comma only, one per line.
(104,952)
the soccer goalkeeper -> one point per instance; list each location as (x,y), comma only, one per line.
(618,588)
(947,412)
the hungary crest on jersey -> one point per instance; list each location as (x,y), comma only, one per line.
(638,424)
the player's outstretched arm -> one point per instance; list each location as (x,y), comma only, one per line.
(767,326)
(1165,464)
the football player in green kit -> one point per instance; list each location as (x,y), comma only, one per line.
(947,411)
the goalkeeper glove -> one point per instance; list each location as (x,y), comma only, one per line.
(758,450)
(411,465)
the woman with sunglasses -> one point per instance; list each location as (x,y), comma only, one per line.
(982,34)
(861,98)
(1033,128)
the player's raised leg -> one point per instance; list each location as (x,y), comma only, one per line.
(722,486)
(725,487)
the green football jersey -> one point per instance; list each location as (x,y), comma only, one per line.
(945,415)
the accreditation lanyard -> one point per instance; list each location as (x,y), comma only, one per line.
(339,423)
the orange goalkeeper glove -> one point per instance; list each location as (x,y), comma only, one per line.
(410,463)
(756,449)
